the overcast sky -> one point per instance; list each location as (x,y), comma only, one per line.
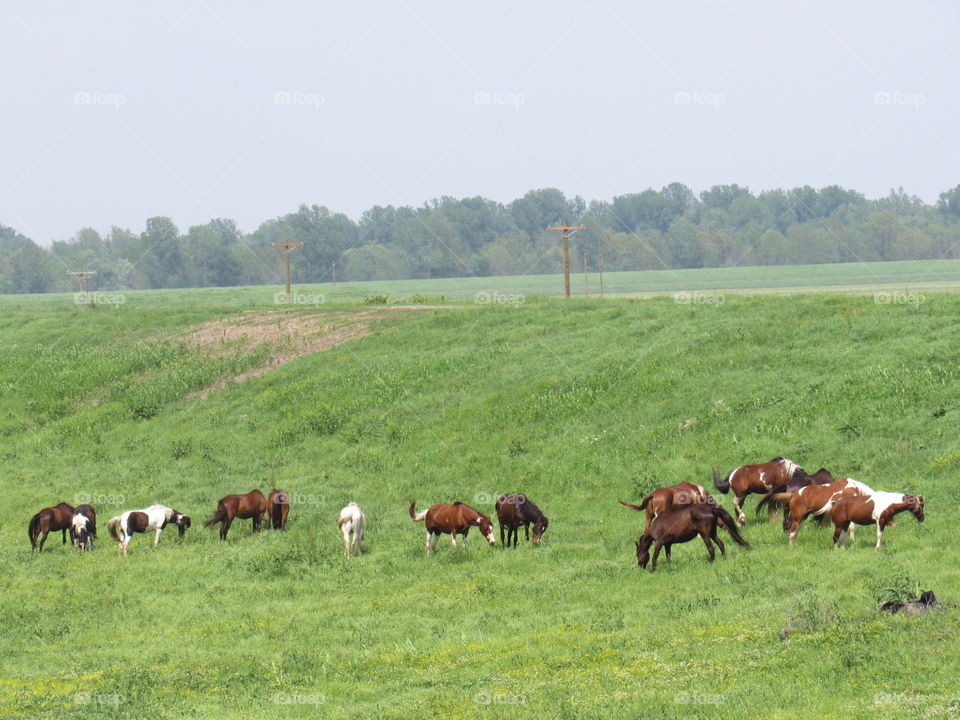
(117,111)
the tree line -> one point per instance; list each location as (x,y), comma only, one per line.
(449,237)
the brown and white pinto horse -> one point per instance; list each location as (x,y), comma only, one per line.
(455,519)
(48,520)
(683,524)
(251,505)
(760,478)
(818,500)
(667,498)
(879,508)
(820,477)
(278,507)
(83,527)
(515,510)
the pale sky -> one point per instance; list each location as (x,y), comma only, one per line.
(117,111)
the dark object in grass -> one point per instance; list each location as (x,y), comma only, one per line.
(926,603)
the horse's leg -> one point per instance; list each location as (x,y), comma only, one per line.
(667,549)
(431,542)
(706,541)
(879,533)
(737,505)
(516,536)
(656,552)
(63,533)
(838,535)
(718,541)
(526,531)
(501,535)
(225,526)
(787,519)
(794,528)
(43,540)
(156,536)
(851,530)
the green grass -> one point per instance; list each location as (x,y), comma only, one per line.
(575,403)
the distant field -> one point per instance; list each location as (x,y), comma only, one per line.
(577,404)
(908,276)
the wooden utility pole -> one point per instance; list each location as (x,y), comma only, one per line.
(84,277)
(286,248)
(565,229)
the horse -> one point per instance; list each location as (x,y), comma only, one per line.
(514,510)
(820,477)
(759,478)
(681,525)
(278,507)
(879,508)
(667,498)
(817,500)
(156,517)
(83,527)
(251,505)
(50,519)
(352,522)
(455,519)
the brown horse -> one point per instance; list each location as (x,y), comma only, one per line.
(83,527)
(278,507)
(51,519)
(514,510)
(759,478)
(455,519)
(683,524)
(817,500)
(667,498)
(252,505)
(820,477)
(879,508)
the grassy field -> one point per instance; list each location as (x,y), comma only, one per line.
(575,403)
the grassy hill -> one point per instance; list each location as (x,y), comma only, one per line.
(575,403)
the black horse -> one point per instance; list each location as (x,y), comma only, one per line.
(514,510)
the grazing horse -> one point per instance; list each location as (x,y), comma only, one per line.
(817,500)
(683,524)
(820,477)
(51,519)
(251,505)
(352,523)
(455,519)
(83,527)
(879,508)
(514,510)
(278,507)
(760,478)
(667,498)
(154,518)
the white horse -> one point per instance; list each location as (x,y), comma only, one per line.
(352,521)
(156,518)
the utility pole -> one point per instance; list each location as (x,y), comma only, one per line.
(84,277)
(601,274)
(586,273)
(565,229)
(286,248)
(334,273)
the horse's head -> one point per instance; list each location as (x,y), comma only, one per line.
(182,522)
(486,527)
(916,506)
(798,473)
(84,541)
(643,548)
(539,528)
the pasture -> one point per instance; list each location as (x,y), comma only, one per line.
(577,403)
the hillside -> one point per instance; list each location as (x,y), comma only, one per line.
(576,403)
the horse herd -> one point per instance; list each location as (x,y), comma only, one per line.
(674,514)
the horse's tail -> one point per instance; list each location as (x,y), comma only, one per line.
(414,515)
(641,506)
(721,484)
(113,527)
(32,531)
(781,497)
(218,516)
(772,505)
(730,525)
